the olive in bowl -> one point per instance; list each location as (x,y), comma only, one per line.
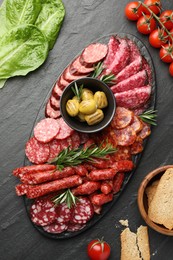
(155,199)
(96,107)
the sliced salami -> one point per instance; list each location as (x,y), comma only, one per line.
(75,137)
(126,136)
(37,152)
(113,45)
(136,147)
(42,211)
(46,130)
(62,83)
(63,213)
(135,81)
(56,228)
(136,124)
(145,132)
(146,66)
(55,103)
(83,138)
(76,68)
(65,131)
(123,153)
(70,77)
(82,212)
(93,53)
(75,227)
(51,112)
(122,118)
(133,98)
(55,149)
(134,50)
(57,90)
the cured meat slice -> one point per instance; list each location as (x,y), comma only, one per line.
(100,199)
(70,77)
(136,147)
(55,149)
(82,211)
(45,188)
(83,137)
(21,189)
(135,81)
(76,68)
(80,170)
(125,136)
(113,45)
(145,132)
(57,90)
(19,172)
(86,188)
(55,103)
(65,131)
(75,227)
(123,153)
(62,83)
(75,137)
(104,174)
(51,112)
(146,66)
(42,211)
(63,213)
(89,143)
(129,70)
(123,117)
(134,50)
(93,53)
(46,130)
(37,152)
(121,58)
(133,98)
(118,181)
(41,177)
(136,124)
(65,143)
(106,187)
(56,228)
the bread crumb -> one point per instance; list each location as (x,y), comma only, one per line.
(124,223)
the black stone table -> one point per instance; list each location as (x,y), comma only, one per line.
(20,100)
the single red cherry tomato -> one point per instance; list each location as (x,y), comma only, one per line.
(157,38)
(153,5)
(171,69)
(133,11)
(98,250)
(166,53)
(146,24)
(166,18)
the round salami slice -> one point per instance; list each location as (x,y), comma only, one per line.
(122,119)
(82,211)
(136,147)
(55,103)
(65,131)
(75,227)
(42,211)
(76,68)
(51,112)
(37,152)
(70,77)
(55,228)
(46,130)
(83,138)
(146,131)
(55,149)
(126,136)
(62,83)
(57,90)
(136,124)
(93,53)
(75,140)
(63,213)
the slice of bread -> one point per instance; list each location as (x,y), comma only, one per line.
(161,207)
(151,190)
(135,246)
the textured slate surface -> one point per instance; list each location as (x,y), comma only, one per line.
(20,100)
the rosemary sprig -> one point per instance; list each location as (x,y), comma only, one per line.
(66,197)
(77,91)
(68,157)
(149,117)
(108,79)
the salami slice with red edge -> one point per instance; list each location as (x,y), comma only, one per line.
(76,68)
(56,228)
(37,152)
(51,112)
(75,137)
(65,131)
(55,149)
(55,103)
(122,118)
(125,136)
(63,213)
(46,130)
(82,211)
(113,45)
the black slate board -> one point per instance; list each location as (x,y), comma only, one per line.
(136,158)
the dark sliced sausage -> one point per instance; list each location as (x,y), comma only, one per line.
(76,68)
(51,112)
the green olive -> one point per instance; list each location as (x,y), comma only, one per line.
(75,98)
(87,94)
(72,107)
(87,106)
(81,117)
(101,99)
(94,118)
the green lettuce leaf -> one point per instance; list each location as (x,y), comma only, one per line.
(22,49)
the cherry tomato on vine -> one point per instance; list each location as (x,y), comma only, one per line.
(146,24)
(157,38)
(98,250)
(153,5)
(170,39)
(133,11)
(166,18)
(171,69)
(166,53)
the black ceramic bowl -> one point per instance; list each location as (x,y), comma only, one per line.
(94,85)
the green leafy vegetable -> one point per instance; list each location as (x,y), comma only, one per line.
(2,82)
(22,49)
(50,19)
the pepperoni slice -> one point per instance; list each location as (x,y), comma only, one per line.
(136,147)
(75,227)
(146,131)
(37,152)
(82,212)
(123,153)
(122,118)
(55,149)
(51,112)
(55,228)
(125,136)
(65,131)
(136,124)
(43,211)
(46,130)
(63,213)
